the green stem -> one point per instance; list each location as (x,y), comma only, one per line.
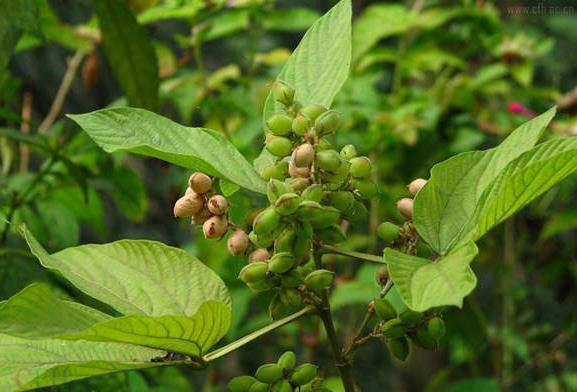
(356,255)
(220,352)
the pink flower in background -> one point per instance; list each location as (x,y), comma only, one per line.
(519,108)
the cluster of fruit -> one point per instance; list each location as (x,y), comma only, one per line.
(283,376)
(398,330)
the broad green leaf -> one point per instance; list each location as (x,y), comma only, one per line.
(143,132)
(130,53)
(37,311)
(523,180)
(425,284)
(27,364)
(320,64)
(444,207)
(136,277)
(187,335)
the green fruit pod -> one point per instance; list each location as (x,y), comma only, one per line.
(279,124)
(269,373)
(360,167)
(328,122)
(366,189)
(313,192)
(292,279)
(436,328)
(333,234)
(261,285)
(241,383)
(324,218)
(266,222)
(287,204)
(254,272)
(283,93)
(288,360)
(399,347)
(285,241)
(303,374)
(328,160)
(393,329)
(312,111)
(384,309)
(358,212)
(275,189)
(411,317)
(388,231)
(277,309)
(259,386)
(262,241)
(279,146)
(342,200)
(348,152)
(301,249)
(268,172)
(423,339)
(319,279)
(306,209)
(281,386)
(290,297)
(281,262)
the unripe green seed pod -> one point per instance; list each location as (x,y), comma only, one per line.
(393,328)
(279,146)
(237,243)
(358,212)
(416,185)
(200,183)
(303,374)
(218,205)
(303,155)
(296,172)
(269,373)
(306,209)
(259,255)
(215,227)
(319,279)
(348,152)
(268,172)
(405,207)
(342,201)
(281,262)
(313,111)
(388,231)
(328,160)
(285,241)
(399,347)
(366,189)
(259,387)
(261,285)
(298,184)
(290,297)
(313,193)
(360,167)
(280,124)
(436,328)
(281,170)
(384,309)
(301,249)
(423,338)
(287,204)
(188,205)
(266,222)
(281,386)
(410,317)
(241,383)
(263,240)
(328,122)
(333,234)
(276,189)
(253,272)
(301,124)
(277,309)
(283,93)
(288,360)
(292,279)
(324,218)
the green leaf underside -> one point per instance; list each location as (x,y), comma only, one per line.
(29,364)
(136,277)
(424,284)
(142,132)
(130,53)
(445,206)
(320,64)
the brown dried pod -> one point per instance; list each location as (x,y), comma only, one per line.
(416,185)
(237,243)
(188,205)
(303,155)
(200,217)
(215,226)
(298,172)
(218,205)
(260,254)
(405,207)
(200,183)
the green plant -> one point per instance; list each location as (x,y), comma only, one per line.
(169,309)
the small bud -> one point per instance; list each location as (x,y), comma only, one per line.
(200,183)
(388,231)
(319,279)
(298,172)
(269,373)
(201,216)
(279,146)
(312,111)
(279,124)
(288,360)
(281,262)
(303,155)
(260,254)
(237,243)
(215,227)
(283,93)
(218,205)
(384,309)
(328,122)
(416,185)
(287,204)
(301,124)
(360,167)
(253,272)
(436,328)
(241,383)
(303,374)
(405,207)
(382,275)
(188,205)
(399,348)
(348,152)
(329,160)
(266,222)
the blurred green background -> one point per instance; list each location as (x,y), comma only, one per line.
(429,79)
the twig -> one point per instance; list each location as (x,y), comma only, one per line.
(356,255)
(25,128)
